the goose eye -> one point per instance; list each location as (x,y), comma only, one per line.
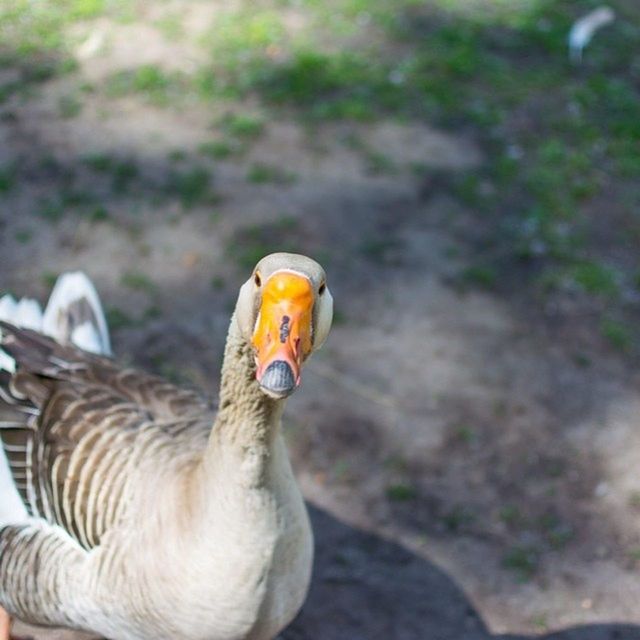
(257,279)
(322,287)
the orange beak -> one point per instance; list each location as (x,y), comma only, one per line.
(282,338)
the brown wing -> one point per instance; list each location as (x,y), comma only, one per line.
(73,425)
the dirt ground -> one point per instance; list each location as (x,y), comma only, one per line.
(470,459)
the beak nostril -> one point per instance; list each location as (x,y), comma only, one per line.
(285,329)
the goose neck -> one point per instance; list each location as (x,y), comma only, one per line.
(248,421)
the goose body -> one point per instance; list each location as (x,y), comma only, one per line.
(147,514)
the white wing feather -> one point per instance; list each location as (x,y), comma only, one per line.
(89,336)
(23,313)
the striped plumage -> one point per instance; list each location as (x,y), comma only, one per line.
(143,520)
(79,433)
(74,426)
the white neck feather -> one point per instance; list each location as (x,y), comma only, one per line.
(248,421)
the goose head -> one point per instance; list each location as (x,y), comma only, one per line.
(284,312)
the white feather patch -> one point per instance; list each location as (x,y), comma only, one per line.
(28,314)
(7,363)
(86,337)
(25,313)
(12,509)
(69,288)
(7,307)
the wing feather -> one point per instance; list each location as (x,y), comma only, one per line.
(70,423)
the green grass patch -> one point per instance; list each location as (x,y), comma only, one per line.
(617,333)
(245,32)
(238,42)
(377,163)
(28,29)
(138,281)
(158,86)
(380,249)
(123,173)
(523,560)
(483,276)
(327,86)
(171,27)
(23,236)
(100,162)
(457,518)
(467,189)
(192,186)
(465,434)
(152,312)
(261,173)
(118,319)
(401,492)
(48,279)
(217,283)
(52,210)
(634,499)
(243,125)
(557,533)
(69,106)
(595,278)
(71,197)
(34,34)
(7,178)
(217,149)
(512,516)
(540,621)
(99,214)
(177,155)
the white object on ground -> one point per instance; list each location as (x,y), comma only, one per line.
(584,29)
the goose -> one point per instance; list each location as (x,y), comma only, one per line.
(145,513)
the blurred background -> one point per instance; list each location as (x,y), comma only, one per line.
(470,434)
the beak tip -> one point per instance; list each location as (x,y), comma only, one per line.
(278,379)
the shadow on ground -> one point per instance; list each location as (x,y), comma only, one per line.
(367,588)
